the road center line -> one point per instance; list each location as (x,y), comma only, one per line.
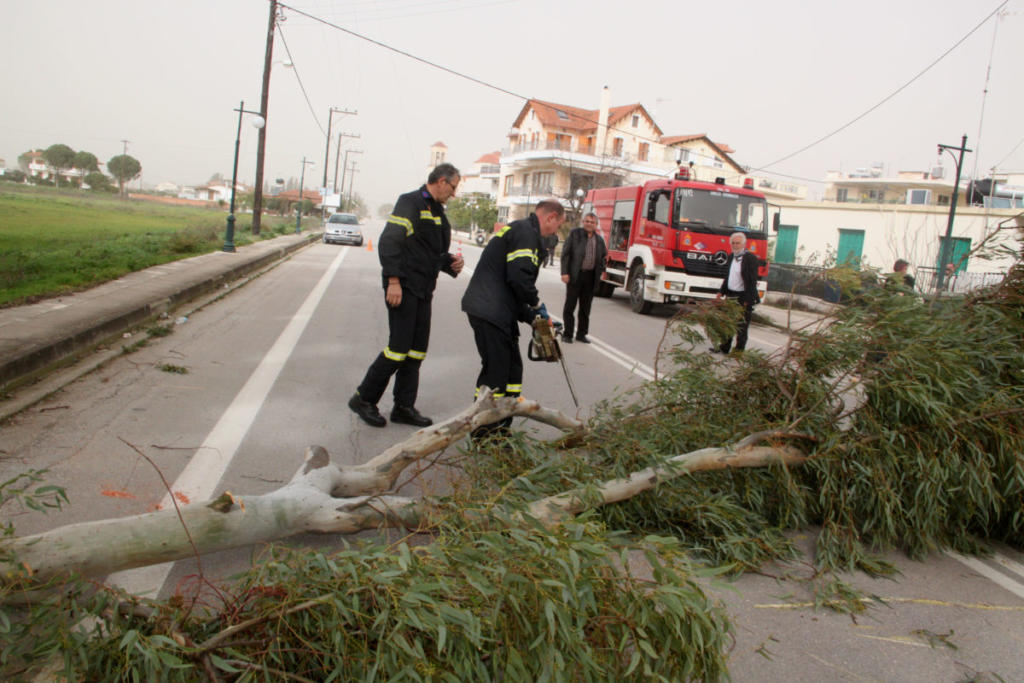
(205,469)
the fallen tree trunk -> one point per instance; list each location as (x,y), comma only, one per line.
(325,498)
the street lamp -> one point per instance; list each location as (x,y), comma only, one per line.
(946,251)
(258,122)
(298,208)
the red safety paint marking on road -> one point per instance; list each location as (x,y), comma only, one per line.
(110,493)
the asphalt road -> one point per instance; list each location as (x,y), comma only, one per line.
(269,369)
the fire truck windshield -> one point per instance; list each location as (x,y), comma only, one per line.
(718,211)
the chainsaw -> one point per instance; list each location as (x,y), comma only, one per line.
(544,347)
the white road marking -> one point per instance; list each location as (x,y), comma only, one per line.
(989,573)
(1015,567)
(200,477)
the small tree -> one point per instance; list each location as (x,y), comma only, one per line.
(98,182)
(60,157)
(125,169)
(85,161)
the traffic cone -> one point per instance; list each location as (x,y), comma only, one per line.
(369,245)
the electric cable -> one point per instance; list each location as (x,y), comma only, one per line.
(295,68)
(764,167)
(889,96)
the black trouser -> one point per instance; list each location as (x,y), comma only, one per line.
(409,324)
(579,288)
(501,366)
(742,327)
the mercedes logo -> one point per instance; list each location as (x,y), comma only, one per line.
(720,258)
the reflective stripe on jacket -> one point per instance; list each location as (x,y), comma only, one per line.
(502,290)
(414,243)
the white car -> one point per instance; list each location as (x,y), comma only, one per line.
(343,228)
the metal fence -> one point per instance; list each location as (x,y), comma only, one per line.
(958,283)
(812,281)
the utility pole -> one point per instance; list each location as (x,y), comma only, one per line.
(124,153)
(946,251)
(261,144)
(344,167)
(298,209)
(337,158)
(327,153)
(352,170)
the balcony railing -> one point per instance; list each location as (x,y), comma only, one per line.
(544,189)
(559,146)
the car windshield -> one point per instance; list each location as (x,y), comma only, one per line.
(718,211)
(345,218)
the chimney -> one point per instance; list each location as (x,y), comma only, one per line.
(602,121)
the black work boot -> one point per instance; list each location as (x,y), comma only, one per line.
(410,416)
(366,411)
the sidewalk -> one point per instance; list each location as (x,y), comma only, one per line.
(36,338)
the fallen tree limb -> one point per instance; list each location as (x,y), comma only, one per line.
(321,498)
(310,502)
(554,509)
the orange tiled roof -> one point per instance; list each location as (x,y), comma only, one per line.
(577,119)
(489,158)
(439,144)
(293,195)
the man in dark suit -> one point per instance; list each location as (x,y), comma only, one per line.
(583,259)
(740,283)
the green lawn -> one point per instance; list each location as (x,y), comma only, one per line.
(56,242)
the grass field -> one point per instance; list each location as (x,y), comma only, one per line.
(57,242)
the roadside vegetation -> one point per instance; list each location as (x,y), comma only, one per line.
(55,242)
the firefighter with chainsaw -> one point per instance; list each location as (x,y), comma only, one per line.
(501,294)
(413,249)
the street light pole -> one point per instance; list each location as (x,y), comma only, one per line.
(298,208)
(261,143)
(229,235)
(946,251)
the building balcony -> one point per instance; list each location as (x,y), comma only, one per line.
(543,190)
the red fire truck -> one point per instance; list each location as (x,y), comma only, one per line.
(668,240)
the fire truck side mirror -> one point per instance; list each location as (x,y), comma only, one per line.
(775,222)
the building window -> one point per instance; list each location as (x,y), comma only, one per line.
(617,147)
(542,182)
(943,200)
(876,195)
(502,214)
(508,184)
(636,120)
(644,151)
(841,194)
(919,196)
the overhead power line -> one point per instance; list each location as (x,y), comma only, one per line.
(295,68)
(890,96)
(524,98)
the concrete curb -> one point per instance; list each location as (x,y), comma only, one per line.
(46,355)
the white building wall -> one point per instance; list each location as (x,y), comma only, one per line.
(894,231)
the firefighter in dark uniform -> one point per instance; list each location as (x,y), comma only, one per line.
(501,294)
(413,249)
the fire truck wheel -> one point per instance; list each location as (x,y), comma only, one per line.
(604,290)
(637,283)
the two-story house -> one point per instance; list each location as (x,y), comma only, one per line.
(872,186)
(558,151)
(482,178)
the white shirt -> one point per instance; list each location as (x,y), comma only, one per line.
(735,282)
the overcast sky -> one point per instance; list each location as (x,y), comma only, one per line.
(766,78)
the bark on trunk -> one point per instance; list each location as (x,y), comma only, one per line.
(326,498)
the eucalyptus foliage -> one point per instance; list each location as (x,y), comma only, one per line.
(912,413)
